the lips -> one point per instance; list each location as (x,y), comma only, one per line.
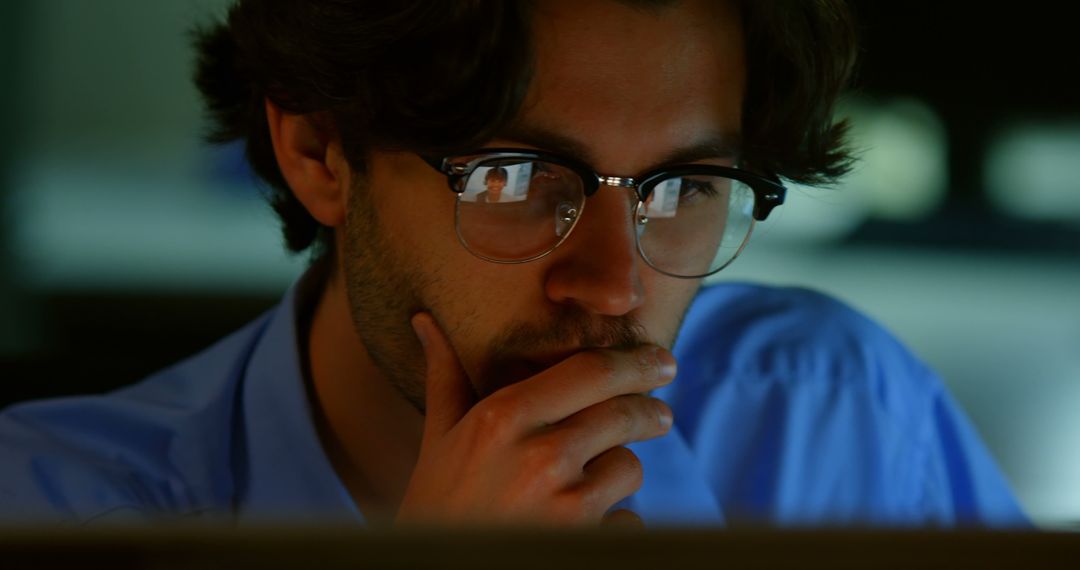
(507,373)
(551,359)
(511,371)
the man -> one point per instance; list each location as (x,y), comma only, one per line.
(446,362)
(494,182)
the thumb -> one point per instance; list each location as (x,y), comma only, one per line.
(448,393)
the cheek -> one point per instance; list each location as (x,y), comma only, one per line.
(414,206)
(480,301)
(666,302)
(482,298)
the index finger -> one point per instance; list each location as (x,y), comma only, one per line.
(587,378)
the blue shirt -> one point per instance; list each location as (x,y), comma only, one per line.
(790,409)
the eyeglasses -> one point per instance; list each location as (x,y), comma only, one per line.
(515,206)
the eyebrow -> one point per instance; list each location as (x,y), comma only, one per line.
(715,145)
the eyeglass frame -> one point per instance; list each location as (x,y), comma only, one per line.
(768,191)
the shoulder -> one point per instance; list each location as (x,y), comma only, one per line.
(746,345)
(804,410)
(159,446)
(793,336)
(780,319)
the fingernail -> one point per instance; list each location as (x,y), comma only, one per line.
(666,419)
(668,366)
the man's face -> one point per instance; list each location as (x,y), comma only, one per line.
(626,88)
(494,186)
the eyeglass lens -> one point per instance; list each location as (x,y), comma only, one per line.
(694,225)
(515,209)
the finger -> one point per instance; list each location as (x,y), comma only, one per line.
(623,518)
(611,423)
(610,478)
(590,377)
(448,392)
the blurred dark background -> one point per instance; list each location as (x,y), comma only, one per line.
(127,244)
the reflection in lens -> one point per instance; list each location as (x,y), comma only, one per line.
(566,215)
(537,206)
(663,201)
(695,225)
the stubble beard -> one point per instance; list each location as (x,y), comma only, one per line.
(383,288)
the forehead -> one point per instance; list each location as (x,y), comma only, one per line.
(631,84)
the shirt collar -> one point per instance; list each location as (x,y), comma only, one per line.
(285,474)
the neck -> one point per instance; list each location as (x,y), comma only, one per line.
(369,431)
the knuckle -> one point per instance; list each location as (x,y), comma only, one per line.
(602,363)
(647,361)
(545,460)
(588,503)
(625,413)
(496,414)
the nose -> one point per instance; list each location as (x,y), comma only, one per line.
(598,267)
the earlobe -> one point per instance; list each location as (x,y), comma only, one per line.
(312,163)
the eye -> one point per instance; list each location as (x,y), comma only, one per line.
(692,189)
(542,171)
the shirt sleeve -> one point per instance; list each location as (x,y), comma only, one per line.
(961,483)
(145,451)
(50,473)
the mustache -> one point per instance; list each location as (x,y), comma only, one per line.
(569,327)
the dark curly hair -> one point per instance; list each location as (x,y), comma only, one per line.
(401,75)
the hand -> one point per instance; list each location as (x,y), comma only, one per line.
(546,450)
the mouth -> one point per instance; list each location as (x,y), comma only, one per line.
(546,361)
(509,371)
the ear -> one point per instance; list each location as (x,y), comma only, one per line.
(312,163)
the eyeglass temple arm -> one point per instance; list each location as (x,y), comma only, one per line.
(454,178)
(436,163)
